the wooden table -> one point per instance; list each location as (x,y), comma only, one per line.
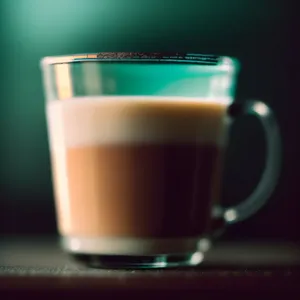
(37,267)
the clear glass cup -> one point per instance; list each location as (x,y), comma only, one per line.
(137,144)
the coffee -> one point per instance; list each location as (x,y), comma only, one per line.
(136,168)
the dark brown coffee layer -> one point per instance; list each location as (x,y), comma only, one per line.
(141,190)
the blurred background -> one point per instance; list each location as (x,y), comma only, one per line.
(262,34)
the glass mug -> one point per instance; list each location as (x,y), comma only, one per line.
(137,142)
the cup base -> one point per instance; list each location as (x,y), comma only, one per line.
(139,262)
(136,253)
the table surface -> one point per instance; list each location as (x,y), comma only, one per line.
(38,264)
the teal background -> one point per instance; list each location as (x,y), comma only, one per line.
(255,31)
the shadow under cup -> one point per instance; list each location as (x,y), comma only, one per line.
(137,144)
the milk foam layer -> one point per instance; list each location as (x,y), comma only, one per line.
(113,120)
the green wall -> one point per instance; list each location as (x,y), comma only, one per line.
(30,29)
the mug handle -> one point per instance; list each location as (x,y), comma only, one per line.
(270,174)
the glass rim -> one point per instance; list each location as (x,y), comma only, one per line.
(218,62)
